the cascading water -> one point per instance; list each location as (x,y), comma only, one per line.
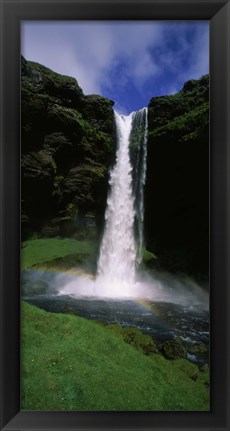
(119,253)
(138,154)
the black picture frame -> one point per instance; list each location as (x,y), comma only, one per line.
(218,13)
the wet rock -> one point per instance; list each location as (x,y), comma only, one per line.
(199,348)
(134,337)
(173,349)
(140,341)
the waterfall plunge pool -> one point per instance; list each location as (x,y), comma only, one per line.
(162,312)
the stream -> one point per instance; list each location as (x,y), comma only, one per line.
(161,320)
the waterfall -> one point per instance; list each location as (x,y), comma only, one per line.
(123,236)
(138,154)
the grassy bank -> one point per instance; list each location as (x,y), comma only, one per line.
(70,363)
(55,251)
(65,252)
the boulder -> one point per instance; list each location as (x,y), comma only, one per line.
(173,349)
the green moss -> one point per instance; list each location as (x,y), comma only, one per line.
(61,118)
(134,337)
(59,179)
(140,341)
(184,123)
(148,256)
(54,83)
(173,349)
(180,115)
(71,210)
(98,111)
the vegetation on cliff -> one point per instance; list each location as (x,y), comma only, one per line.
(67,148)
(177,186)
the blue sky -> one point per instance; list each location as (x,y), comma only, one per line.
(126,61)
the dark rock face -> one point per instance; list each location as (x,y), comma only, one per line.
(67,148)
(177,186)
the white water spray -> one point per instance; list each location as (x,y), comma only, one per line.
(119,253)
(121,248)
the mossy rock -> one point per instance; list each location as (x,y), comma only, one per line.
(199,348)
(140,341)
(59,86)
(56,143)
(38,165)
(67,142)
(135,338)
(98,110)
(148,256)
(173,349)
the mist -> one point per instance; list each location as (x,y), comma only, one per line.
(154,287)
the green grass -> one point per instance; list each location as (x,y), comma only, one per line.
(64,252)
(38,251)
(70,363)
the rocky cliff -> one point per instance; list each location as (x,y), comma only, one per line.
(177,187)
(67,148)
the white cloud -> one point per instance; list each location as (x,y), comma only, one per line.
(104,54)
(89,51)
(201,58)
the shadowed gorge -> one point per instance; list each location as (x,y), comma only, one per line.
(68,146)
(177,186)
